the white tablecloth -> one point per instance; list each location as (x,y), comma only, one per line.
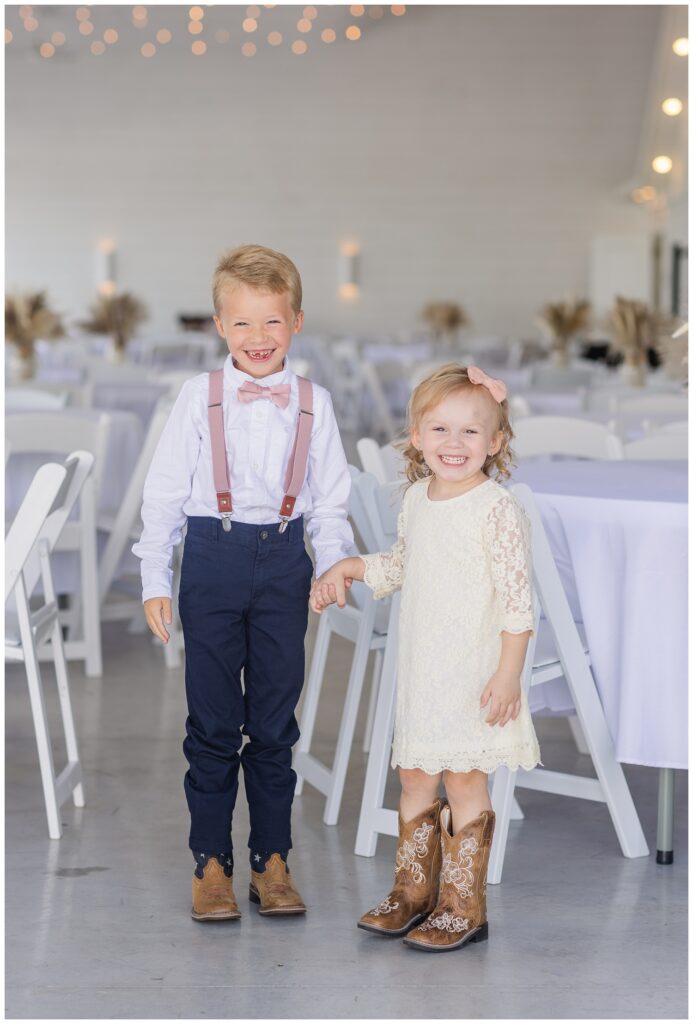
(618,531)
(125,440)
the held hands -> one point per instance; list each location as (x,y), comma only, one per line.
(504,690)
(157,611)
(330,588)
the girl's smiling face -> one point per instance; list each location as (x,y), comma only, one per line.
(258,327)
(457,436)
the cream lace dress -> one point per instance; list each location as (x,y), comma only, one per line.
(464,568)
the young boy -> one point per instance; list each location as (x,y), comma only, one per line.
(246,574)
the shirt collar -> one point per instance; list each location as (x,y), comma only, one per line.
(237,377)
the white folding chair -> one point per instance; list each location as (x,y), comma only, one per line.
(675,427)
(28,546)
(556,650)
(671,444)
(126,527)
(34,398)
(563,435)
(676,404)
(555,378)
(519,406)
(385,463)
(363,623)
(59,434)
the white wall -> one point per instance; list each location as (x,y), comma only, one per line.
(472,152)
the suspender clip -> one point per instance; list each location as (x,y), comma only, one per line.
(226,523)
(284,523)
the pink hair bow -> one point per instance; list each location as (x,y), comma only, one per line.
(497,388)
(278,394)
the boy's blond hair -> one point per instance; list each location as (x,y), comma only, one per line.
(431,392)
(258,267)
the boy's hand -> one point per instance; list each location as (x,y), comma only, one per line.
(330,588)
(504,690)
(157,611)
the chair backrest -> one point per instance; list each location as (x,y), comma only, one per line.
(59,434)
(363,486)
(676,404)
(129,508)
(385,463)
(555,378)
(27,524)
(662,445)
(676,427)
(563,435)
(519,406)
(34,398)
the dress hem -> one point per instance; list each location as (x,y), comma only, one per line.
(468,766)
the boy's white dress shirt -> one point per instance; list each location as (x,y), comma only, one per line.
(259,438)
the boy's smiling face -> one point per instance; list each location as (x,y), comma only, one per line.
(258,327)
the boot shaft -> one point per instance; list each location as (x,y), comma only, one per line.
(464,865)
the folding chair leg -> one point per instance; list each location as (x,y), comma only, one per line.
(312,694)
(372,700)
(578,734)
(374,818)
(349,713)
(43,740)
(502,790)
(66,711)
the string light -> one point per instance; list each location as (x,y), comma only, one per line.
(195,27)
(58,38)
(356,10)
(252,11)
(398,10)
(353,33)
(163,36)
(110,36)
(47,50)
(8,36)
(275,38)
(328,35)
(148,50)
(25,11)
(299,47)
(199,47)
(672,106)
(680,46)
(249,25)
(662,164)
(97,48)
(304,25)
(310,13)
(249,49)
(30,24)
(196,14)
(82,14)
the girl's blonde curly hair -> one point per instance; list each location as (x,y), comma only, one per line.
(431,392)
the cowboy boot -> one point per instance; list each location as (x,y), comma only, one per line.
(212,895)
(274,889)
(460,913)
(417,867)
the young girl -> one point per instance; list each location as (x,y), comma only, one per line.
(462,559)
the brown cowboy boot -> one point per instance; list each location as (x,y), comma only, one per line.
(212,895)
(274,890)
(460,914)
(417,867)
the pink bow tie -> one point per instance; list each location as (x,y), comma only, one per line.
(278,394)
(497,387)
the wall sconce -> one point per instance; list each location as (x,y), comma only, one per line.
(106,267)
(348,270)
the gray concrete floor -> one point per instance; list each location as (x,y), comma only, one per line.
(98,922)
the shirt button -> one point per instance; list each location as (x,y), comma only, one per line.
(264,535)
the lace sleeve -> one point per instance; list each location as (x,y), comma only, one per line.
(511,564)
(384,571)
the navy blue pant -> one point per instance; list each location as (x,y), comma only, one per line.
(244,606)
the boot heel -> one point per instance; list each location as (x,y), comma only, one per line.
(482,934)
(253,896)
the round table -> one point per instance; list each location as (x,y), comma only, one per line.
(619,533)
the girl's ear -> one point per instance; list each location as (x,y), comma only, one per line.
(496,443)
(415,439)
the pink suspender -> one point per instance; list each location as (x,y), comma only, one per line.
(298,460)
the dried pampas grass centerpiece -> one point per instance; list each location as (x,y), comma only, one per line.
(444,319)
(28,318)
(632,334)
(561,321)
(118,315)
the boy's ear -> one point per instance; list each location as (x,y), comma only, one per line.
(220,330)
(298,322)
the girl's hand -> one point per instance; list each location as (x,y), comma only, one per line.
(504,690)
(330,588)
(157,611)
